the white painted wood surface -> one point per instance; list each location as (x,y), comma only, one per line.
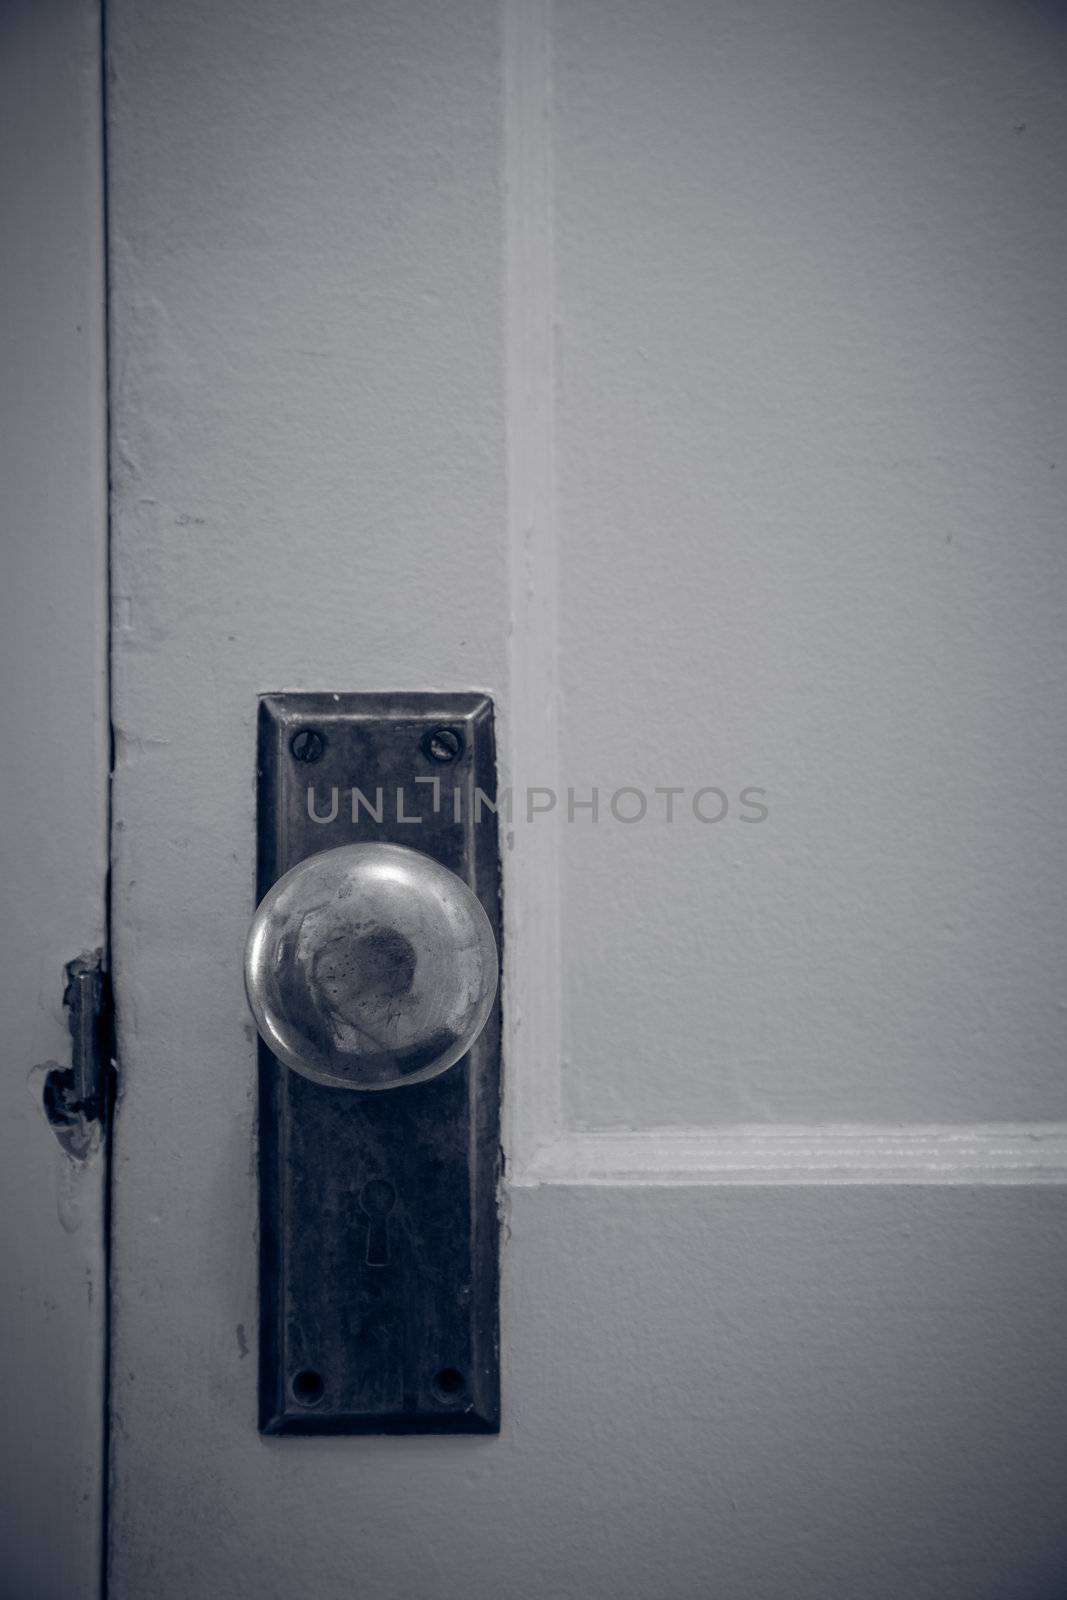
(811,412)
(781,1294)
(53,782)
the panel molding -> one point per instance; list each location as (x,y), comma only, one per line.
(1004,1153)
(540,1149)
(529,729)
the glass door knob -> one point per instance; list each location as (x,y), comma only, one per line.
(370,966)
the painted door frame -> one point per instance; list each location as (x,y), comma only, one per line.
(54,731)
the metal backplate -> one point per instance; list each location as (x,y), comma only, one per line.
(378,1211)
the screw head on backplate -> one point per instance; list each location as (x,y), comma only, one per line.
(443,744)
(307,745)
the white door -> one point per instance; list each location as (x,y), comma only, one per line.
(689,375)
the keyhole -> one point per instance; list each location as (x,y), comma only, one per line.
(377,1200)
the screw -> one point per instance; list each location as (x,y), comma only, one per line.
(443,744)
(307,745)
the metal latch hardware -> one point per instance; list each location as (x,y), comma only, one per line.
(79,1096)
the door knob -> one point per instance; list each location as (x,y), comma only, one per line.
(370,966)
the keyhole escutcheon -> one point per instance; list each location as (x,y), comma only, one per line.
(377,1200)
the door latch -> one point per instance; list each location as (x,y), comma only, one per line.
(77,1098)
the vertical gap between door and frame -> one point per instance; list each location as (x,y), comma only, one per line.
(109,1139)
